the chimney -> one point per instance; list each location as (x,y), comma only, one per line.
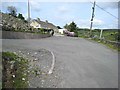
(46,21)
(38,19)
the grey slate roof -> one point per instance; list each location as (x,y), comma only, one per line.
(46,25)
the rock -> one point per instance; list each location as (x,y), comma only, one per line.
(35,53)
(43,73)
(43,81)
(35,59)
(12,62)
(13,76)
(14,52)
(12,66)
(38,72)
(20,51)
(28,71)
(23,79)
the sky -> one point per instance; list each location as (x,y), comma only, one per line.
(61,13)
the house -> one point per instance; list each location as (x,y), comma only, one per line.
(41,24)
(61,31)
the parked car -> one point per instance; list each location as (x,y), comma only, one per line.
(68,33)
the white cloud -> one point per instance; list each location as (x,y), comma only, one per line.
(63,9)
(60,0)
(98,22)
(35,5)
(113,26)
(85,23)
(106,5)
(84,26)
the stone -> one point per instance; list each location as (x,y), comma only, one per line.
(35,53)
(38,73)
(35,59)
(12,62)
(14,52)
(23,79)
(13,76)
(12,66)
(43,81)
(20,51)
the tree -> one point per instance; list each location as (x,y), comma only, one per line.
(72,27)
(66,26)
(59,27)
(21,16)
(12,10)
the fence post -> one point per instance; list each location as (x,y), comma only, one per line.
(101,33)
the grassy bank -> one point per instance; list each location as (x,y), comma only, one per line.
(107,35)
(14,71)
(111,46)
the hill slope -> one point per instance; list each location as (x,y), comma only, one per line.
(11,23)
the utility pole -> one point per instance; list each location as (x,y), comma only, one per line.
(93,10)
(28,14)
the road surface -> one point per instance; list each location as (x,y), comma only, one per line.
(82,64)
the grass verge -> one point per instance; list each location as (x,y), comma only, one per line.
(14,70)
(111,46)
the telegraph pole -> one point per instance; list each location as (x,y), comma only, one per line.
(93,10)
(28,14)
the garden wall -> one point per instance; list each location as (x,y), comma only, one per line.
(22,35)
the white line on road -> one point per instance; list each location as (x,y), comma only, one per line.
(53,63)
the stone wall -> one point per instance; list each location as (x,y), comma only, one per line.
(22,35)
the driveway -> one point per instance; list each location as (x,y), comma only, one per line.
(79,62)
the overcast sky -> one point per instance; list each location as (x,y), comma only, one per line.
(60,13)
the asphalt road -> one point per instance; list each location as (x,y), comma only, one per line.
(82,64)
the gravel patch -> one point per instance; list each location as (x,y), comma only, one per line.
(39,65)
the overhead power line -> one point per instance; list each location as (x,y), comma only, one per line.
(105,10)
